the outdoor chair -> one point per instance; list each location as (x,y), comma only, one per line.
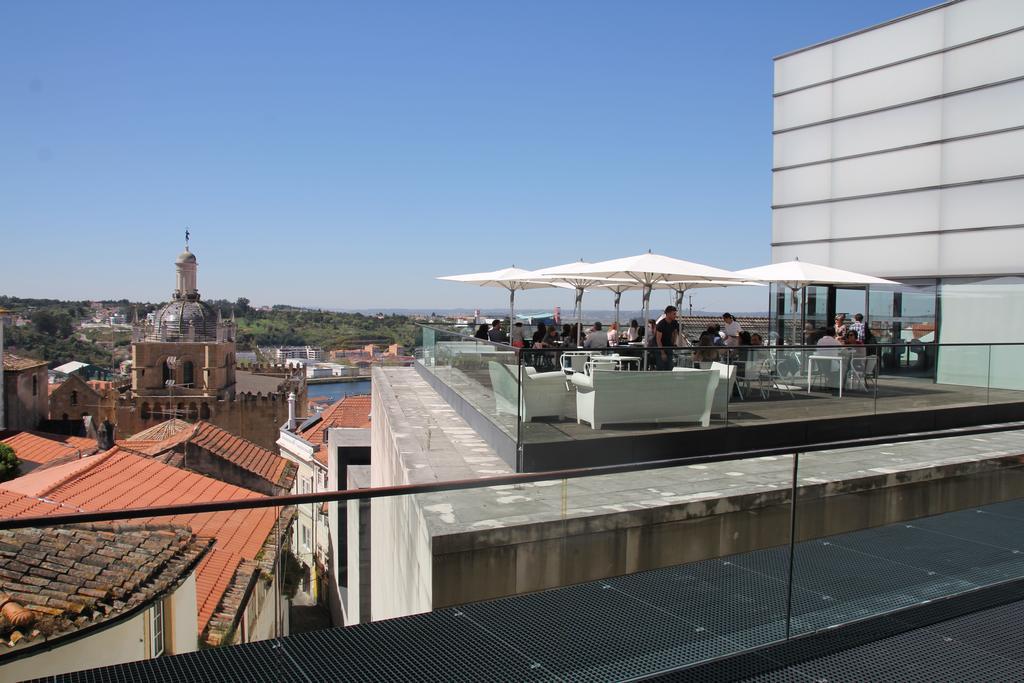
(863,372)
(723,392)
(543,394)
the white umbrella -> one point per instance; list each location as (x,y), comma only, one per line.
(512,279)
(568,274)
(798,274)
(680,287)
(648,270)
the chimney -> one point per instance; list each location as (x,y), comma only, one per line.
(291,411)
(105,436)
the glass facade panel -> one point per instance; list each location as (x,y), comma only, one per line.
(989,309)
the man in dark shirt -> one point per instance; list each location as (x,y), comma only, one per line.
(665,333)
(496,334)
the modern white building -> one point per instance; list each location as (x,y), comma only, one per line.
(284,353)
(899,152)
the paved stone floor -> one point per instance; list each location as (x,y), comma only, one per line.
(894,464)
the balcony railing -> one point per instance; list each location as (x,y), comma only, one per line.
(603,573)
(549,396)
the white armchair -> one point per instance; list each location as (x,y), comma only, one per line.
(723,392)
(543,394)
(622,397)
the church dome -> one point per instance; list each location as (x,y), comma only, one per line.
(186,320)
(186,257)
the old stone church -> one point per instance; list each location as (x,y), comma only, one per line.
(183,366)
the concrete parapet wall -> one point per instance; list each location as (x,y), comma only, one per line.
(521,558)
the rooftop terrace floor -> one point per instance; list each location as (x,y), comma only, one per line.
(795,404)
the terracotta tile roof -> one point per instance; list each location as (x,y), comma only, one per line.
(221,443)
(57,581)
(118,479)
(351,411)
(245,454)
(14,504)
(13,363)
(36,449)
(162,431)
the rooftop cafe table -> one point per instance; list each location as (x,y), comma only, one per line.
(838,356)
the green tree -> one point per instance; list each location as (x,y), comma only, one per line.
(45,322)
(9,463)
(242,307)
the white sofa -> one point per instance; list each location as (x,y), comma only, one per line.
(639,396)
(726,384)
(544,394)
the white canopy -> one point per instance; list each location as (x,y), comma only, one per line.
(512,279)
(797,274)
(680,287)
(649,269)
(569,274)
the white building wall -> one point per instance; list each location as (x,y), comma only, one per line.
(127,641)
(181,616)
(899,150)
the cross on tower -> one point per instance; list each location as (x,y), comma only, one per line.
(186,239)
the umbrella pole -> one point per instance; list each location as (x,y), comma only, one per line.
(579,316)
(647,315)
(618,298)
(511,308)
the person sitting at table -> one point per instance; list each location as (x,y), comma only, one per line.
(633,331)
(481,332)
(516,336)
(708,338)
(840,329)
(597,338)
(854,345)
(756,340)
(613,334)
(496,334)
(731,330)
(826,338)
(567,335)
(551,338)
(539,336)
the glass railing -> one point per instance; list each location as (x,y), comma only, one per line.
(617,391)
(604,574)
(464,365)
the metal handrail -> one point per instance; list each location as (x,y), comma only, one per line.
(43,521)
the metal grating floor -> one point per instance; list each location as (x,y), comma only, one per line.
(637,625)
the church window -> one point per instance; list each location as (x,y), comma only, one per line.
(167,373)
(188,373)
(204,412)
(145,411)
(74,398)
(35,386)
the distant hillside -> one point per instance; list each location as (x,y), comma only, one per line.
(60,331)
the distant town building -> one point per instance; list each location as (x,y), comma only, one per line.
(284,353)
(306,444)
(24,392)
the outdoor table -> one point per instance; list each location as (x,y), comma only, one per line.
(812,359)
(619,362)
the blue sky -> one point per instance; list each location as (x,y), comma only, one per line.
(344,154)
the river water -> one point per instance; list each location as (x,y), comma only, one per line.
(335,390)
